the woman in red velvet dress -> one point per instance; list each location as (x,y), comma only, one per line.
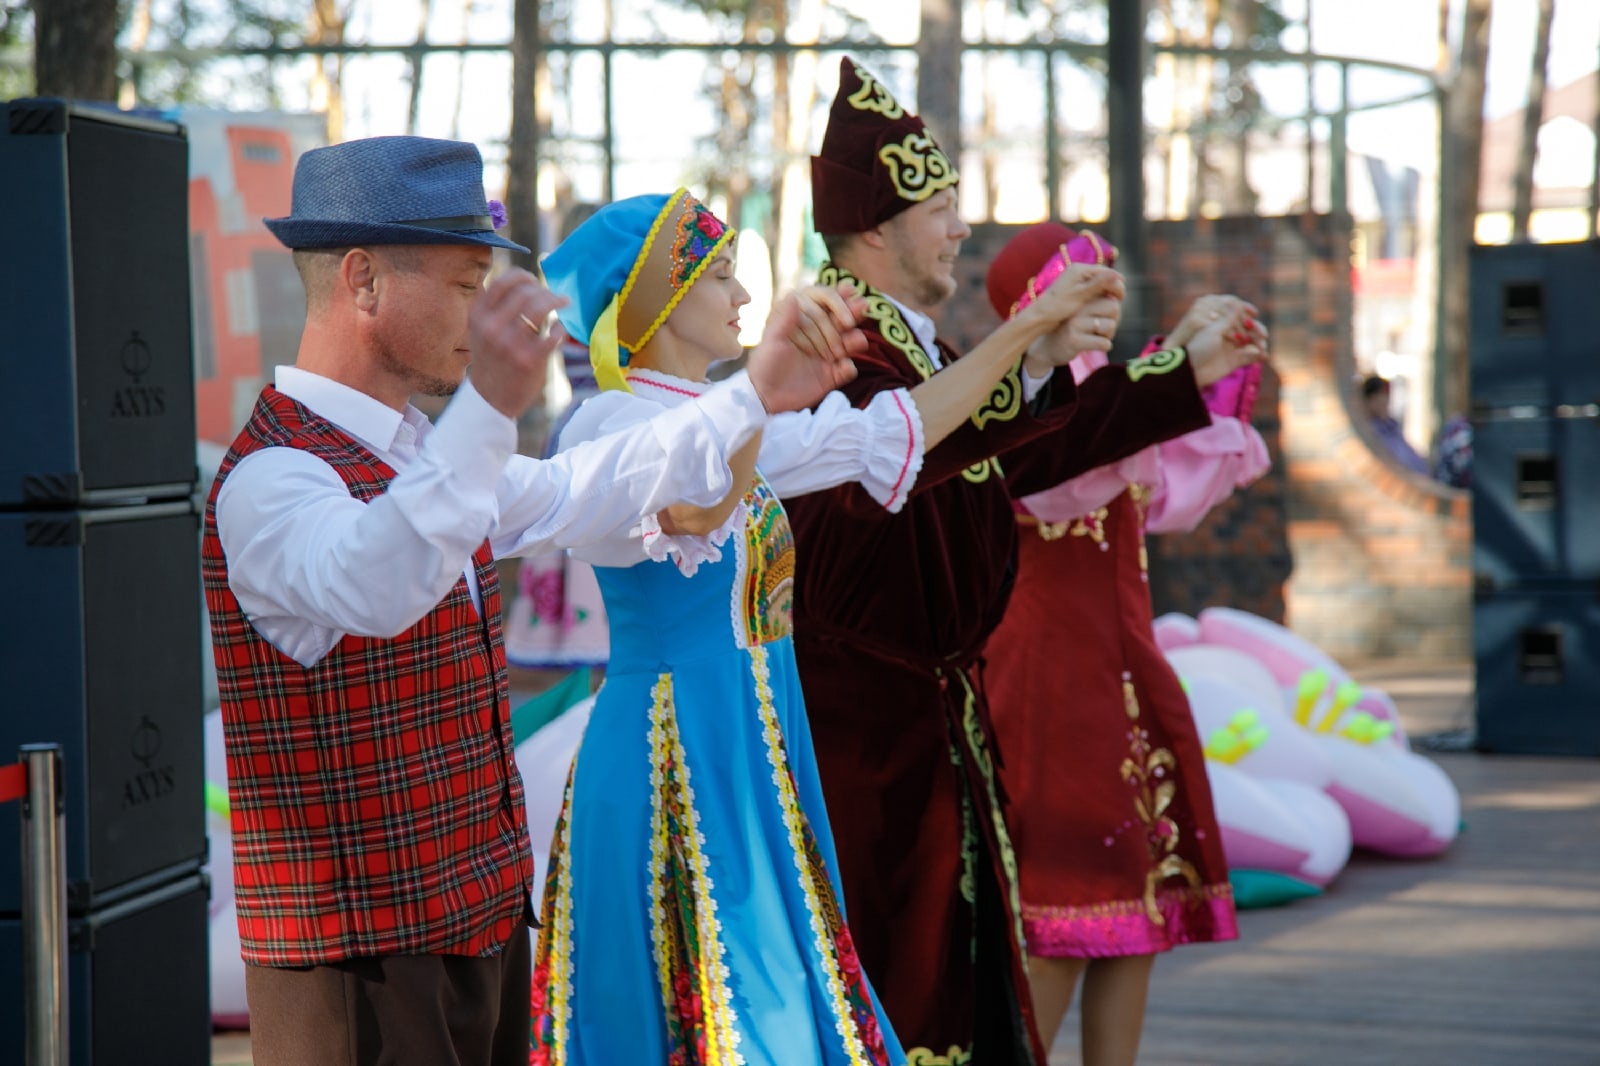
(1117,842)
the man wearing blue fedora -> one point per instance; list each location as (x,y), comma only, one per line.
(381,857)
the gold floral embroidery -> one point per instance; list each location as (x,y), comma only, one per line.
(918,167)
(886,316)
(1091,525)
(1150,771)
(1053,530)
(874,96)
(1141,495)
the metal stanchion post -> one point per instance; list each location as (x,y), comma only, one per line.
(44,908)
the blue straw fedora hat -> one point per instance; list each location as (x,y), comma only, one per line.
(389,190)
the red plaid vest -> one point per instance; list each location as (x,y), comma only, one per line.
(376,805)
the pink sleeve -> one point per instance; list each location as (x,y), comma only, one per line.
(1199,470)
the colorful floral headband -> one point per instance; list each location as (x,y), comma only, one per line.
(682,241)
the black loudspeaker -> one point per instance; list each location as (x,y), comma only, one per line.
(138,985)
(1535,504)
(94,307)
(1532,340)
(100,649)
(1538,669)
(1535,413)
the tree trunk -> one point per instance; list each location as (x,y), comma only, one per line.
(138,40)
(1236,195)
(939,74)
(793,195)
(327,90)
(522,153)
(1532,119)
(425,10)
(1460,166)
(1594,185)
(75,48)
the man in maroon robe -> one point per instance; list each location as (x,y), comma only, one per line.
(892,610)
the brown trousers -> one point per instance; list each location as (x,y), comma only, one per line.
(394,1010)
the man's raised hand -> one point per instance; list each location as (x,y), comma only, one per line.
(805,350)
(513,336)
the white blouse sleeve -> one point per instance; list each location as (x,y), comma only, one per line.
(880,446)
(616,412)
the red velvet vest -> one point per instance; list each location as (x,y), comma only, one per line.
(376,805)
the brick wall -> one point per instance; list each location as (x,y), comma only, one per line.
(1360,556)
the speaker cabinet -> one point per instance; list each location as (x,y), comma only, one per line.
(1535,504)
(1531,336)
(95,315)
(1538,667)
(138,984)
(100,648)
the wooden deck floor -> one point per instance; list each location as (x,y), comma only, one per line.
(1487,956)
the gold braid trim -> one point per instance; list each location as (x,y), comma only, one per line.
(886,316)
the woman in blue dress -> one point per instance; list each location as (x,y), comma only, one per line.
(692,913)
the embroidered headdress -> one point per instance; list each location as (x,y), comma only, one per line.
(1035,257)
(626,268)
(877,158)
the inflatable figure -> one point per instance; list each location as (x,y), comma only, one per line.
(1175,630)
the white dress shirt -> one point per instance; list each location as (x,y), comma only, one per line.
(926,331)
(309,563)
(880,446)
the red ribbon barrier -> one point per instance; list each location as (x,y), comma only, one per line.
(13,782)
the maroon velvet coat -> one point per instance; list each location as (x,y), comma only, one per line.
(892,612)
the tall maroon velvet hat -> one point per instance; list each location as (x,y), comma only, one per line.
(877,158)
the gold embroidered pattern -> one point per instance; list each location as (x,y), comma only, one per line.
(969,840)
(552,982)
(1141,495)
(1052,530)
(1004,403)
(978,473)
(1150,771)
(814,883)
(1162,362)
(1183,896)
(921,1056)
(766,559)
(684,926)
(886,316)
(918,167)
(978,745)
(875,96)
(1091,525)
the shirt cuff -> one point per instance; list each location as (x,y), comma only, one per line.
(894,448)
(1031,385)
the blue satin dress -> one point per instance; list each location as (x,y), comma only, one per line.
(692,913)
